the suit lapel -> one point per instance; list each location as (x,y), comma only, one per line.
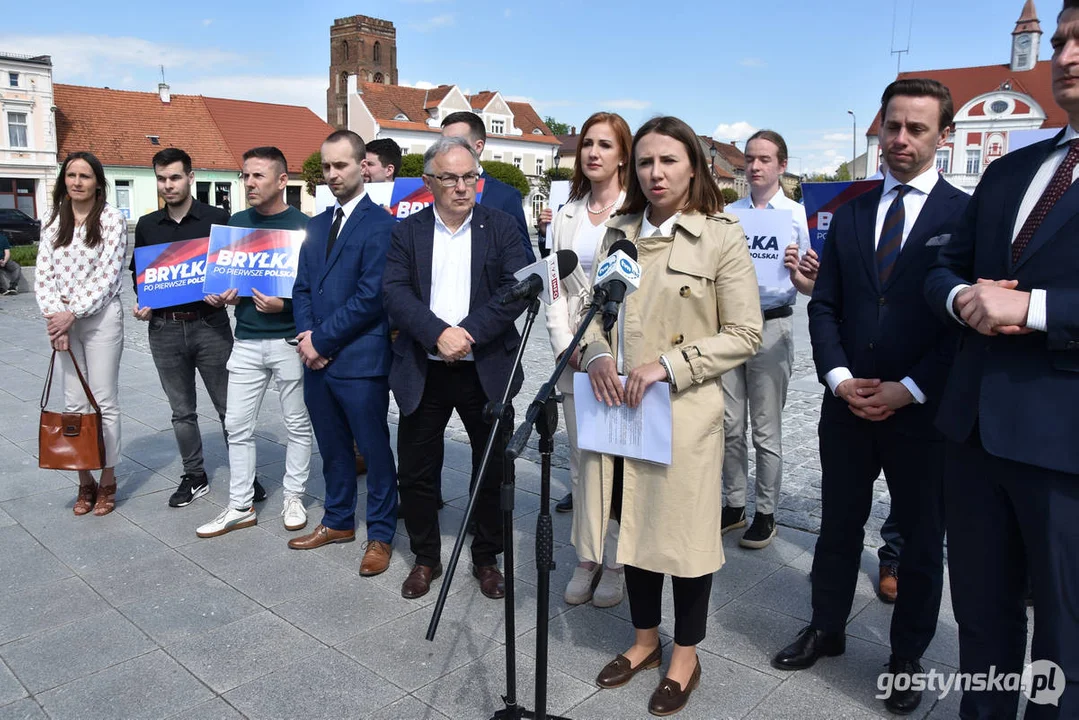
(1065,209)
(924,226)
(350,225)
(479,251)
(422,238)
(865,219)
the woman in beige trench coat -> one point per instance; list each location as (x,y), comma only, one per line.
(695,315)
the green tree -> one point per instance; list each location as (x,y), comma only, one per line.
(842,173)
(729,195)
(550,175)
(411,165)
(312,172)
(508,174)
(558,128)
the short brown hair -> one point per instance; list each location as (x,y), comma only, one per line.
(773,137)
(704,195)
(580,185)
(271,153)
(921,87)
(359,150)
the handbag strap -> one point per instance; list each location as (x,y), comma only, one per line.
(48,383)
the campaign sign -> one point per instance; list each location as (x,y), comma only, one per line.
(821,201)
(252,259)
(401,198)
(559,196)
(170,273)
(768,232)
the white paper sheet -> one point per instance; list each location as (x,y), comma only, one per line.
(641,433)
(768,233)
(559,197)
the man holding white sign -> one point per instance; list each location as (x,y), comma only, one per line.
(760,385)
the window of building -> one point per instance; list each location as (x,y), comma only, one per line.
(18,194)
(943,156)
(378,78)
(1021,59)
(974,162)
(538,203)
(376,52)
(292,196)
(123,197)
(497,158)
(223,196)
(16,130)
(517,161)
(344,44)
(202,191)
(498,127)
(13,79)
(539,166)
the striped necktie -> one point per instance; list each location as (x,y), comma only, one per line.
(891,235)
(1062,180)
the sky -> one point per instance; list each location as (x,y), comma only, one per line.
(726,68)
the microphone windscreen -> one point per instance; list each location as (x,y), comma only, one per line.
(625,246)
(567,263)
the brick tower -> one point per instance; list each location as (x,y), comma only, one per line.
(362,46)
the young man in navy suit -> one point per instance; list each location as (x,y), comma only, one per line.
(884,356)
(496,194)
(344,339)
(1011,410)
(447,270)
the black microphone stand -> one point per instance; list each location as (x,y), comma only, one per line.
(543,414)
(501,415)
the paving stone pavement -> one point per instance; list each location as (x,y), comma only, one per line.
(131,615)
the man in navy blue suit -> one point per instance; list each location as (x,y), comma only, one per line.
(447,270)
(884,356)
(496,194)
(344,338)
(1010,412)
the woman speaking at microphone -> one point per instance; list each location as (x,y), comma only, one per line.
(695,315)
(596,191)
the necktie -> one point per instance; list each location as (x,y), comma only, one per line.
(1062,179)
(891,235)
(334,229)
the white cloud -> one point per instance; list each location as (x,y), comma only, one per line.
(822,151)
(540,106)
(625,104)
(507,12)
(433,23)
(733,131)
(421,84)
(836,137)
(309,91)
(752,62)
(207,22)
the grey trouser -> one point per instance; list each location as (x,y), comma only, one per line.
(10,275)
(757,390)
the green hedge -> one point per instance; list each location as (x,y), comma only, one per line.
(508,174)
(25,255)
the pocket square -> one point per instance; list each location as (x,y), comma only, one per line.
(938,240)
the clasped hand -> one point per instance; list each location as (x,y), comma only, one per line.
(307,352)
(994,307)
(871,399)
(454,344)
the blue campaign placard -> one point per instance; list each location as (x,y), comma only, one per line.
(821,201)
(170,273)
(252,259)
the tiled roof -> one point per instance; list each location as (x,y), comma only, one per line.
(732,155)
(480,100)
(526,118)
(115,125)
(966,84)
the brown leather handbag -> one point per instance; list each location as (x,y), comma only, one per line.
(70,441)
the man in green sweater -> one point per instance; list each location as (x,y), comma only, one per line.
(260,354)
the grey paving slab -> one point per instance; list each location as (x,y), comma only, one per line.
(216,709)
(25,709)
(335,612)
(292,574)
(23,478)
(407,708)
(5,519)
(26,562)
(172,526)
(10,687)
(335,684)
(188,611)
(749,634)
(144,577)
(237,653)
(253,545)
(46,605)
(148,687)
(75,650)
(789,702)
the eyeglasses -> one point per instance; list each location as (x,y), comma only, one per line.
(449,180)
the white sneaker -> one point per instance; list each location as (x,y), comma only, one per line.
(579,589)
(610,589)
(228,521)
(294,513)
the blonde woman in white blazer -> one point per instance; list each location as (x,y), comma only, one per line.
(597,190)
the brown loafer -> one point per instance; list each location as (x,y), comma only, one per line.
(376,558)
(361,463)
(888,586)
(320,536)
(618,672)
(669,697)
(418,582)
(492,584)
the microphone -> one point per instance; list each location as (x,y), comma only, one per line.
(619,275)
(542,278)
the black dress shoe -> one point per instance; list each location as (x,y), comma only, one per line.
(903,702)
(565,505)
(810,645)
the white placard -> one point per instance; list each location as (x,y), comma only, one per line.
(559,196)
(641,433)
(380,194)
(768,233)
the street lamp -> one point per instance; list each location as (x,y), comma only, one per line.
(713,152)
(554,157)
(853,142)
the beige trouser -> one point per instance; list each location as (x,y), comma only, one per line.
(587,502)
(758,389)
(97,342)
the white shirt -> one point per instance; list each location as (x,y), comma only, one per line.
(913,202)
(587,242)
(348,207)
(1036,313)
(451,273)
(775,297)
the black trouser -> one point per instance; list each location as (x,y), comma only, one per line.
(420,444)
(852,454)
(645,589)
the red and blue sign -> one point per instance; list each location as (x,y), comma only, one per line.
(252,259)
(171,273)
(409,195)
(821,201)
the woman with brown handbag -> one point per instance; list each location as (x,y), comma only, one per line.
(79,270)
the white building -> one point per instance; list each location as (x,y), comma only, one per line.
(991,102)
(412,118)
(28,143)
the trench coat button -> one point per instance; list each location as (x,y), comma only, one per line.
(678,339)
(684,291)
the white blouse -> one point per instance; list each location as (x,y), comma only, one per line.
(79,278)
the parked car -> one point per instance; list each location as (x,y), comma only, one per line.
(20,228)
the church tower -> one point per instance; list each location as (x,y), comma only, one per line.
(362,46)
(1026,39)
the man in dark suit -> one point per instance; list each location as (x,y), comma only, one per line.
(1010,411)
(496,194)
(447,269)
(345,344)
(884,356)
